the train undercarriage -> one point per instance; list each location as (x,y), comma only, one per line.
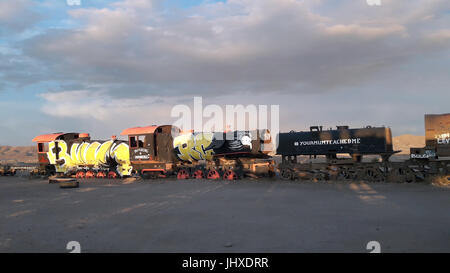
(220,168)
(407,171)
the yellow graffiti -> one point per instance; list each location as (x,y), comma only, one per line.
(58,155)
(192,147)
(81,152)
(51,155)
(94,155)
(121,154)
(101,154)
(89,154)
(73,153)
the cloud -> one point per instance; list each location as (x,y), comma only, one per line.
(240,45)
(16,16)
(440,37)
(101,107)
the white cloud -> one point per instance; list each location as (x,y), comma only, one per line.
(266,45)
(100,107)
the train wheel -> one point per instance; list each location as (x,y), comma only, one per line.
(374,175)
(410,176)
(404,174)
(318,176)
(230,175)
(112,175)
(213,174)
(90,174)
(80,174)
(198,174)
(287,174)
(182,174)
(101,174)
(344,174)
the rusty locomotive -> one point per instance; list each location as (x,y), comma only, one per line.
(159,151)
(164,151)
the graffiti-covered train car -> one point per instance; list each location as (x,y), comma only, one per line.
(76,153)
(159,151)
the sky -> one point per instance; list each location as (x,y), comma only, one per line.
(103,66)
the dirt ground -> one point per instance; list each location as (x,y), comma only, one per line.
(219,216)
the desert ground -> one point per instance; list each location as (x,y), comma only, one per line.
(222,216)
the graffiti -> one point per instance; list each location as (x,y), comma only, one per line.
(240,142)
(194,146)
(329,142)
(425,154)
(142,153)
(443,138)
(120,152)
(202,146)
(93,154)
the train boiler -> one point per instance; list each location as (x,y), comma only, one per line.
(75,153)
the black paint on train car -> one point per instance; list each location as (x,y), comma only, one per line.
(361,141)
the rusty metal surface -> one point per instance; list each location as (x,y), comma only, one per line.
(147,130)
(47,137)
(437,133)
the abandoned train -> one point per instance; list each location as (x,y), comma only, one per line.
(362,142)
(158,151)
(162,151)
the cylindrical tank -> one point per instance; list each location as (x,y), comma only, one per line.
(369,140)
(112,154)
(205,146)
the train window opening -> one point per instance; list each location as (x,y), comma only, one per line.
(137,141)
(133,143)
(42,147)
(56,149)
(140,141)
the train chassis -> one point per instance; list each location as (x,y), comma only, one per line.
(407,171)
(221,168)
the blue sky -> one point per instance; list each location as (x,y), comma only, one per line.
(107,65)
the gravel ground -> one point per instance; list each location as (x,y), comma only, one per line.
(218,216)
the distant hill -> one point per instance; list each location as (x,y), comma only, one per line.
(404,142)
(13,154)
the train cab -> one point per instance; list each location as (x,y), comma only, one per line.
(43,141)
(151,148)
